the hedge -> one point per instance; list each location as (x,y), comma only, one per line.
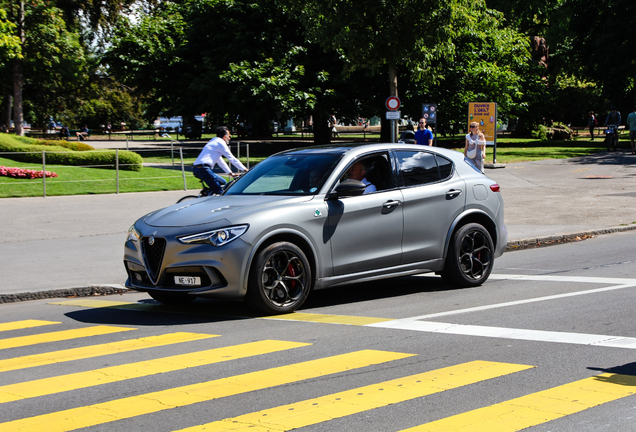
(67,153)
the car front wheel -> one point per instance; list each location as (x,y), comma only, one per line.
(280,279)
(470,257)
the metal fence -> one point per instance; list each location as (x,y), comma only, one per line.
(176,163)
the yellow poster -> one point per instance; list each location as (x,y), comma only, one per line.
(485,114)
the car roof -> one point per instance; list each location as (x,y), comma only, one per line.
(342,148)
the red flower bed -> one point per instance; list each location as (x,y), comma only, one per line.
(24,173)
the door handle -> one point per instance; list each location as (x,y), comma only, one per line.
(391,204)
(453,193)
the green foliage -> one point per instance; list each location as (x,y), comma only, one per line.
(9,43)
(540,132)
(61,153)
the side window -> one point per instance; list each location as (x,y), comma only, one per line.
(417,168)
(375,169)
(445,167)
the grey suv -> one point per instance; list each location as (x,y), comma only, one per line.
(317,217)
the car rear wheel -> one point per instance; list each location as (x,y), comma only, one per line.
(470,257)
(171,299)
(280,279)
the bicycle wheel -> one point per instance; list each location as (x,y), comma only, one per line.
(187,197)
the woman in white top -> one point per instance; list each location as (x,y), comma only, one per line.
(475,148)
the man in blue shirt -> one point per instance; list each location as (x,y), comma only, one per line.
(613,118)
(423,136)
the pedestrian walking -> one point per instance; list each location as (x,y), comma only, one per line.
(631,125)
(475,148)
(592,123)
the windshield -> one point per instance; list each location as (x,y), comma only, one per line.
(288,174)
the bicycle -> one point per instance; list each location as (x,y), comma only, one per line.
(611,137)
(206,191)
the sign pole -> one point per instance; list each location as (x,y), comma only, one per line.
(393,104)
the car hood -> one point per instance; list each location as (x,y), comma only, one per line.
(202,211)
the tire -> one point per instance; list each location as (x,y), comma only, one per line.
(280,279)
(470,257)
(187,197)
(608,140)
(171,299)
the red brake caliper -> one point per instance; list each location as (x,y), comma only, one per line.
(292,273)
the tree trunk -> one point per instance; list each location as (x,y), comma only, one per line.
(18,116)
(18,79)
(322,132)
(389,129)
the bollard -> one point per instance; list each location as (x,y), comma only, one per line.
(117,169)
(185,186)
(44,174)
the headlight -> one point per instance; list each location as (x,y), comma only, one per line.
(218,237)
(133,234)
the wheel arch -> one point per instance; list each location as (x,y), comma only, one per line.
(294,237)
(474,216)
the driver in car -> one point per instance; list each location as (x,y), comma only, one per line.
(357,171)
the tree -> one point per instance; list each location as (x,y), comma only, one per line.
(10,49)
(230,59)
(51,46)
(434,45)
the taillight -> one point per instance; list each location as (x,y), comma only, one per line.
(494,187)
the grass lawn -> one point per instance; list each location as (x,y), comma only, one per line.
(81,180)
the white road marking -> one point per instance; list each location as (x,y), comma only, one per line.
(416,323)
(552,278)
(517,302)
(510,333)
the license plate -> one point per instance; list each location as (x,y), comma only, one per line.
(187,280)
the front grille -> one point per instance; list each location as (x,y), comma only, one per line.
(153,255)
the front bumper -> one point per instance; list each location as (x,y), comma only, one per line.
(153,267)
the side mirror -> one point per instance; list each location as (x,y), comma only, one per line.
(347,188)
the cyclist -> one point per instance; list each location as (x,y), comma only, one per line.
(211,155)
(613,118)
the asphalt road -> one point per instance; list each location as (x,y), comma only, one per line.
(547,343)
(76,242)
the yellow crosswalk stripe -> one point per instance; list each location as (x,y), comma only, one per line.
(60,336)
(106,412)
(58,384)
(99,350)
(24,324)
(313,411)
(537,408)
(329,319)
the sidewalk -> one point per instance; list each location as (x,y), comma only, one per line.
(73,245)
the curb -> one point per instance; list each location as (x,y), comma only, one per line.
(103,290)
(536,242)
(87,291)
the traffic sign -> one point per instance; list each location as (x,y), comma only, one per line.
(393,103)
(392,115)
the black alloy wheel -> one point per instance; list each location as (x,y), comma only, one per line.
(470,257)
(280,279)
